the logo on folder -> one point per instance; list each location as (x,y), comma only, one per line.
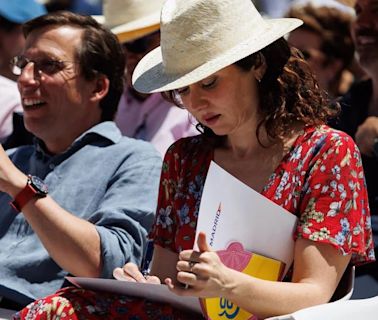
(215,224)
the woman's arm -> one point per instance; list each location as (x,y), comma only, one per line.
(317,270)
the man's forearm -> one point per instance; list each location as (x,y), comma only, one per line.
(73,243)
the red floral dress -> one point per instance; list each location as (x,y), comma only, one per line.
(320,180)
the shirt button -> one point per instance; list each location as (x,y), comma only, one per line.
(51,166)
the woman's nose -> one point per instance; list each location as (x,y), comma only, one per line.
(196,99)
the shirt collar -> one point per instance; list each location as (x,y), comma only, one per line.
(108,130)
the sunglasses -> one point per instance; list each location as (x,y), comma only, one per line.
(141,45)
(46,66)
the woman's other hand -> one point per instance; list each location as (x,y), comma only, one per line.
(201,273)
(130,272)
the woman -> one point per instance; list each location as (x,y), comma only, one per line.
(262,117)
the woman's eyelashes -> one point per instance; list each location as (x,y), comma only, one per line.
(183,91)
(205,84)
(209,83)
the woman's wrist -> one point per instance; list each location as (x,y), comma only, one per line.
(234,280)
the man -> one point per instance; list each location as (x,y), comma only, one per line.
(148,117)
(12,15)
(102,186)
(359,119)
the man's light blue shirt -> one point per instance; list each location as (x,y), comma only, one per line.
(109,180)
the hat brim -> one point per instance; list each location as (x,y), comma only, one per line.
(149,75)
(133,29)
(136,34)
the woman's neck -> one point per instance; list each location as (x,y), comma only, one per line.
(244,144)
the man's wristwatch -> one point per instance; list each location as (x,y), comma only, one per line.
(35,188)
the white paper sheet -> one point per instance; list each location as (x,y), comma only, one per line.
(154,292)
(232,211)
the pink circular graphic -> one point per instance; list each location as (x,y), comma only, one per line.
(235,257)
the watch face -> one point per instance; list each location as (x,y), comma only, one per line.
(39,184)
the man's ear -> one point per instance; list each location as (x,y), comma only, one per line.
(101,88)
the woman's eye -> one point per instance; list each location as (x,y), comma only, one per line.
(183,91)
(209,83)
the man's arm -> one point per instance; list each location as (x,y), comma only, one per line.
(79,246)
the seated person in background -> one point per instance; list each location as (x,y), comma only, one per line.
(102,186)
(144,116)
(12,15)
(325,41)
(359,118)
(10,102)
(262,116)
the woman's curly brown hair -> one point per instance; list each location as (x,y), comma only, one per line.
(288,91)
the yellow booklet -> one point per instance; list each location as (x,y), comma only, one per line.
(255,265)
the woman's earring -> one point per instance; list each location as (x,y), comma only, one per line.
(258,80)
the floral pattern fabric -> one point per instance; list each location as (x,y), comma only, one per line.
(320,180)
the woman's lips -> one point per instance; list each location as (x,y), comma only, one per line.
(211,119)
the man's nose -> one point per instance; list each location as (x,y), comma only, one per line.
(29,75)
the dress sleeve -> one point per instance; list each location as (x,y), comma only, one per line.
(334,204)
(164,228)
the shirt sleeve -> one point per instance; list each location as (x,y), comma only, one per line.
(126,213)
(334,206)
(164,229)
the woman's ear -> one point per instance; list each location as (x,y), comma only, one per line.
(260,67)
(101,88)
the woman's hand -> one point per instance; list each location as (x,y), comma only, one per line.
(130,272)
(201,273)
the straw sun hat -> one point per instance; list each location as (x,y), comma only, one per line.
(131,19)
(200,37)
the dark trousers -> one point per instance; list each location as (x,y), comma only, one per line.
(11,305)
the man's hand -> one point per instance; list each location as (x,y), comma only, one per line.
(366,135)
(12,180)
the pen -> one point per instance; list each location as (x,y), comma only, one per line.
(147,258)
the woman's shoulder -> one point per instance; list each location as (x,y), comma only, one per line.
(189,146)
(322,144)
(325,136)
